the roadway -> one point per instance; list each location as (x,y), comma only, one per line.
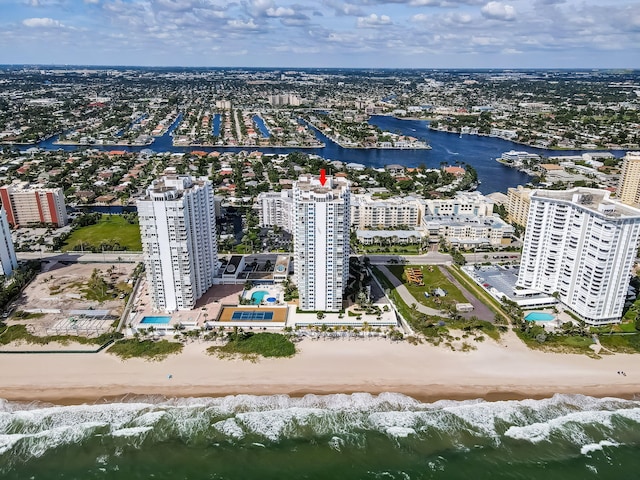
(106,257)
(482,257)
(431,258)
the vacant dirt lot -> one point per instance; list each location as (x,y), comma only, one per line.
(60,288)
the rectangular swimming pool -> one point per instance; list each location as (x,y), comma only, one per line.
(252,315)
(539,317)
(155,320)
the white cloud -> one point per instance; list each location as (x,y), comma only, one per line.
(42,22)
(485,40)
(241,25)
(499,11)
(373,21)
(347,9)
(425,3)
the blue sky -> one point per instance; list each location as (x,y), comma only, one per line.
(323,33)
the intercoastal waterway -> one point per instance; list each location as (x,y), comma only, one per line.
(447,148)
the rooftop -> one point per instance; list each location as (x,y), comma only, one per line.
(592,199)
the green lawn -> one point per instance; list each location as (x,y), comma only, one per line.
(16,333)
(432,279)
(430,326)
(403,249)
(111,229)
(251,345)
(621,343)
(147,349)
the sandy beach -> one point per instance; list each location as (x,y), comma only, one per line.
(507,370)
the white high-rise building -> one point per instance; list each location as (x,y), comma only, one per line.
(177,223)
(8,259)
(581,245)
(321,241)
(275,209)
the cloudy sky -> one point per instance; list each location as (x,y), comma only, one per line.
(323,33)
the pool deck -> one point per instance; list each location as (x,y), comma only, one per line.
(216,307)
(207,308)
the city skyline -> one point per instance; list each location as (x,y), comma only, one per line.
(330,33)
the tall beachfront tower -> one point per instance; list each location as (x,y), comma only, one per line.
(580,245)
(629,186)
(321,241)
(177,223)
(8,259)
(29,204)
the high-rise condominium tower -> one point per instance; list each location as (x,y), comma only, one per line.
(28,204)
(8,259)
(321,241)
(629,186)
(580,245)
(177,223)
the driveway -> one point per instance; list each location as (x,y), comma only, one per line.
(480,310)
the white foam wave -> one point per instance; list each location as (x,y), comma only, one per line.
(230,428)
(149,418)
(570,426)
(277,423)
(594,447)
(340,416)
(400,432)
(130,432)
(36,444)
(336,443)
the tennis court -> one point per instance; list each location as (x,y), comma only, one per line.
(253,314)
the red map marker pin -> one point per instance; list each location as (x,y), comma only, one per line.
(323,176)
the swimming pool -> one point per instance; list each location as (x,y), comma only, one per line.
(539,317)
(256,297)
(155,320)
(271,299)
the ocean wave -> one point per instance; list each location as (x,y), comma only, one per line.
(594,447)
(340,420)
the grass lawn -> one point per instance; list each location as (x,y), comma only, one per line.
(559,343)
(429,326)
(621,343)
(373,249)
(110,229)
(251,345)
(147,349)
(15,333)
(432,279)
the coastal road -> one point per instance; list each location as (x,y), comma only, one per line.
(431,258)
(106,257)
(479,257)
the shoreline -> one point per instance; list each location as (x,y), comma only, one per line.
(494,371)
(426,394)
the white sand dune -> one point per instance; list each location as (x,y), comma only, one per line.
(493,371)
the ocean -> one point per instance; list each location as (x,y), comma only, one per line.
(358,436)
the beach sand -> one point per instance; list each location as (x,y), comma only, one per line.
(495,371)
